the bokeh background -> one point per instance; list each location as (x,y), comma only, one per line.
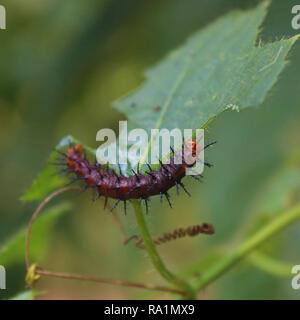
(62,65)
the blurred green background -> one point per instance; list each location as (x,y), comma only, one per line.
(62,65)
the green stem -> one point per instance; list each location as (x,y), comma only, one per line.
(154,256)
(240,252)
(270,265)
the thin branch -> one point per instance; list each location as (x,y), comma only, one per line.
(34,217)
(69,276)
(277,224)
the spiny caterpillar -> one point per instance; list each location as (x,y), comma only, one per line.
(109,184)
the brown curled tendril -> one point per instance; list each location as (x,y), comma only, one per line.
(192,231)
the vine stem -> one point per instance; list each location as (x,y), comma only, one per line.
(42,272)
(279,223)
(34,217)
(154,256)
(34,271)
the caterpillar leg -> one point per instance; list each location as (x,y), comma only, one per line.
(97,197)
(161,197)
(115,205)
(183,187)
(197,178)
(146,204)
(210,144)
(177,188)
(105,202)
(168,198)
(125,207)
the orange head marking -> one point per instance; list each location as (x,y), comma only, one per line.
(78,148)
(193,149)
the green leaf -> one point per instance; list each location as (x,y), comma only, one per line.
(12,254)
(217,69)
(271,265)
(14,251)
(49,179)
(26,295)
(204,263)
(281,192)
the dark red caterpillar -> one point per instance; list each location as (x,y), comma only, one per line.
(110,185)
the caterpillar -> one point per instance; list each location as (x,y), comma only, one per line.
(109,184)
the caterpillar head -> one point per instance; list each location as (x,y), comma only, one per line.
(78,148)
(74,151)
(192,150)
